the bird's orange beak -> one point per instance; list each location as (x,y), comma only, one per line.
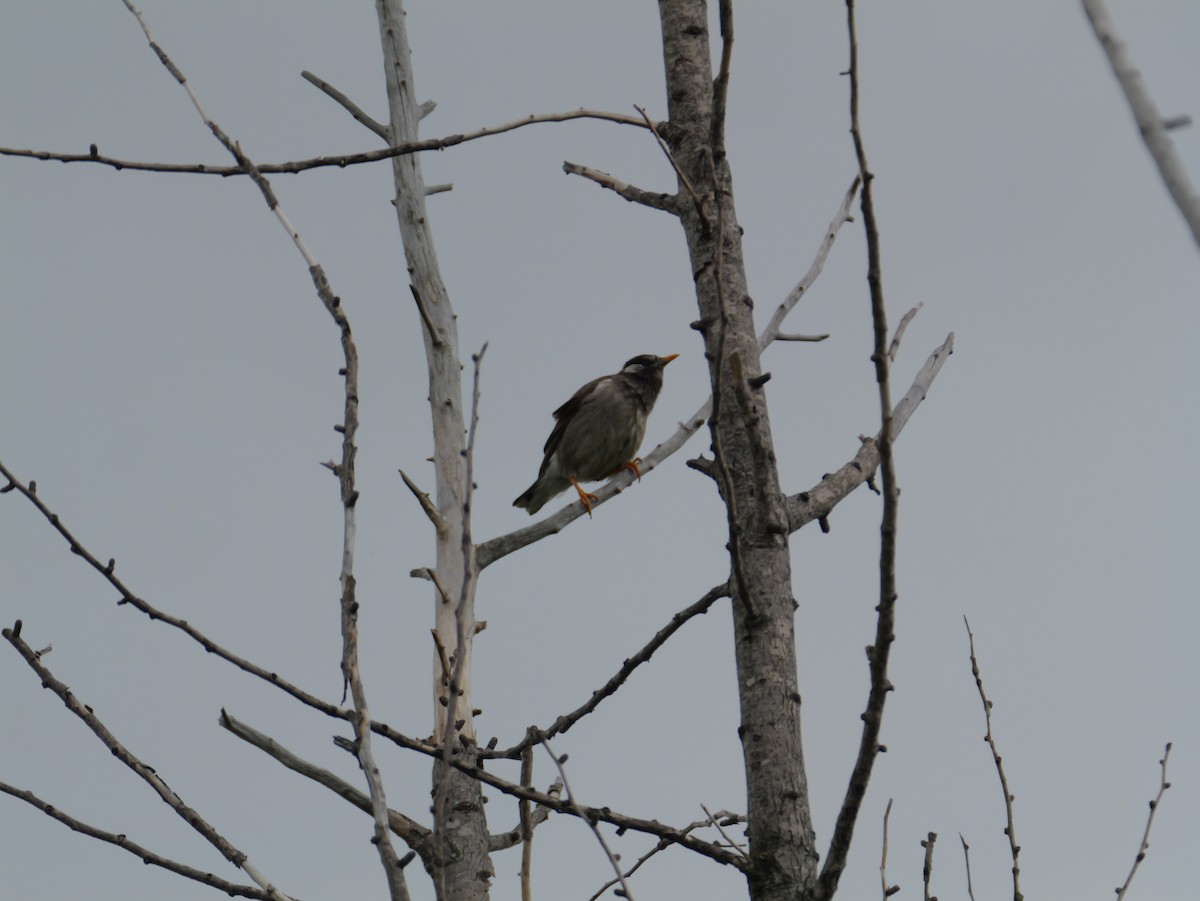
(666,360)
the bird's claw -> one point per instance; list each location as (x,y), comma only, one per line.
(586,498)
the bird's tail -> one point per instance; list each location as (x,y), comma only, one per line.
(527,500)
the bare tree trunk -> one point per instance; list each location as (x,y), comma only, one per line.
(783,856)
(465,870)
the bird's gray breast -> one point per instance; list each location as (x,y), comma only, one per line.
(606,431)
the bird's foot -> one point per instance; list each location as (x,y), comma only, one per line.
(585,498)
(632,466)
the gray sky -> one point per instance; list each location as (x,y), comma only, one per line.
(169,378)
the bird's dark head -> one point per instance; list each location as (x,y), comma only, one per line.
(646,364)
(647,371)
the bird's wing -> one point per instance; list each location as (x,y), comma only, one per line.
(563,416)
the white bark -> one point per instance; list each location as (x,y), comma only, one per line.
(464,871)
(1149,121)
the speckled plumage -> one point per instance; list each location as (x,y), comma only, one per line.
(598,431)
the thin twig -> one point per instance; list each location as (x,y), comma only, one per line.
(108,572)
(729,819)
(967,861)
(425,501)
(146,856)
(683,179)
(904,321)
(413,833)
(840,218)
(1010,828)
(1163,785)
(669,834)
(654,199)
(878,653)
(349,106)
(888,890)
(148,774)
(725,835)
(819,501)
(566,721)
(442,658)
(612,859)
(1151,124)
(502,841)
(340,161)
(810,338)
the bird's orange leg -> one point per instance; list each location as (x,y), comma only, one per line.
(632,466)
(586,498)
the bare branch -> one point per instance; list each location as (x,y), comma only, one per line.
(510,839)
(668,834)
(494,549)
(683,179)
(967,861)
(1010,828)
(904,321)
(234,855)
(349,106)
(1150,122)
(723,816)
(820,500)
(878,653)
(147,857)
(1163,785)
(771,332)
(565,722)
(927,871)
(811,338)
(720,827)
(407,828)
(654,199)
(108,572)
(558,762)
(888,890)
(425,501)
(340,161)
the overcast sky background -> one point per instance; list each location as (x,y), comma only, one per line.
(169,378)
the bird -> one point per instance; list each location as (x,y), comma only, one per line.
(597,432)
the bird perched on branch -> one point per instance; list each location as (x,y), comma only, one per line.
(597,432)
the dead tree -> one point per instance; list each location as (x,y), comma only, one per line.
(455,844)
